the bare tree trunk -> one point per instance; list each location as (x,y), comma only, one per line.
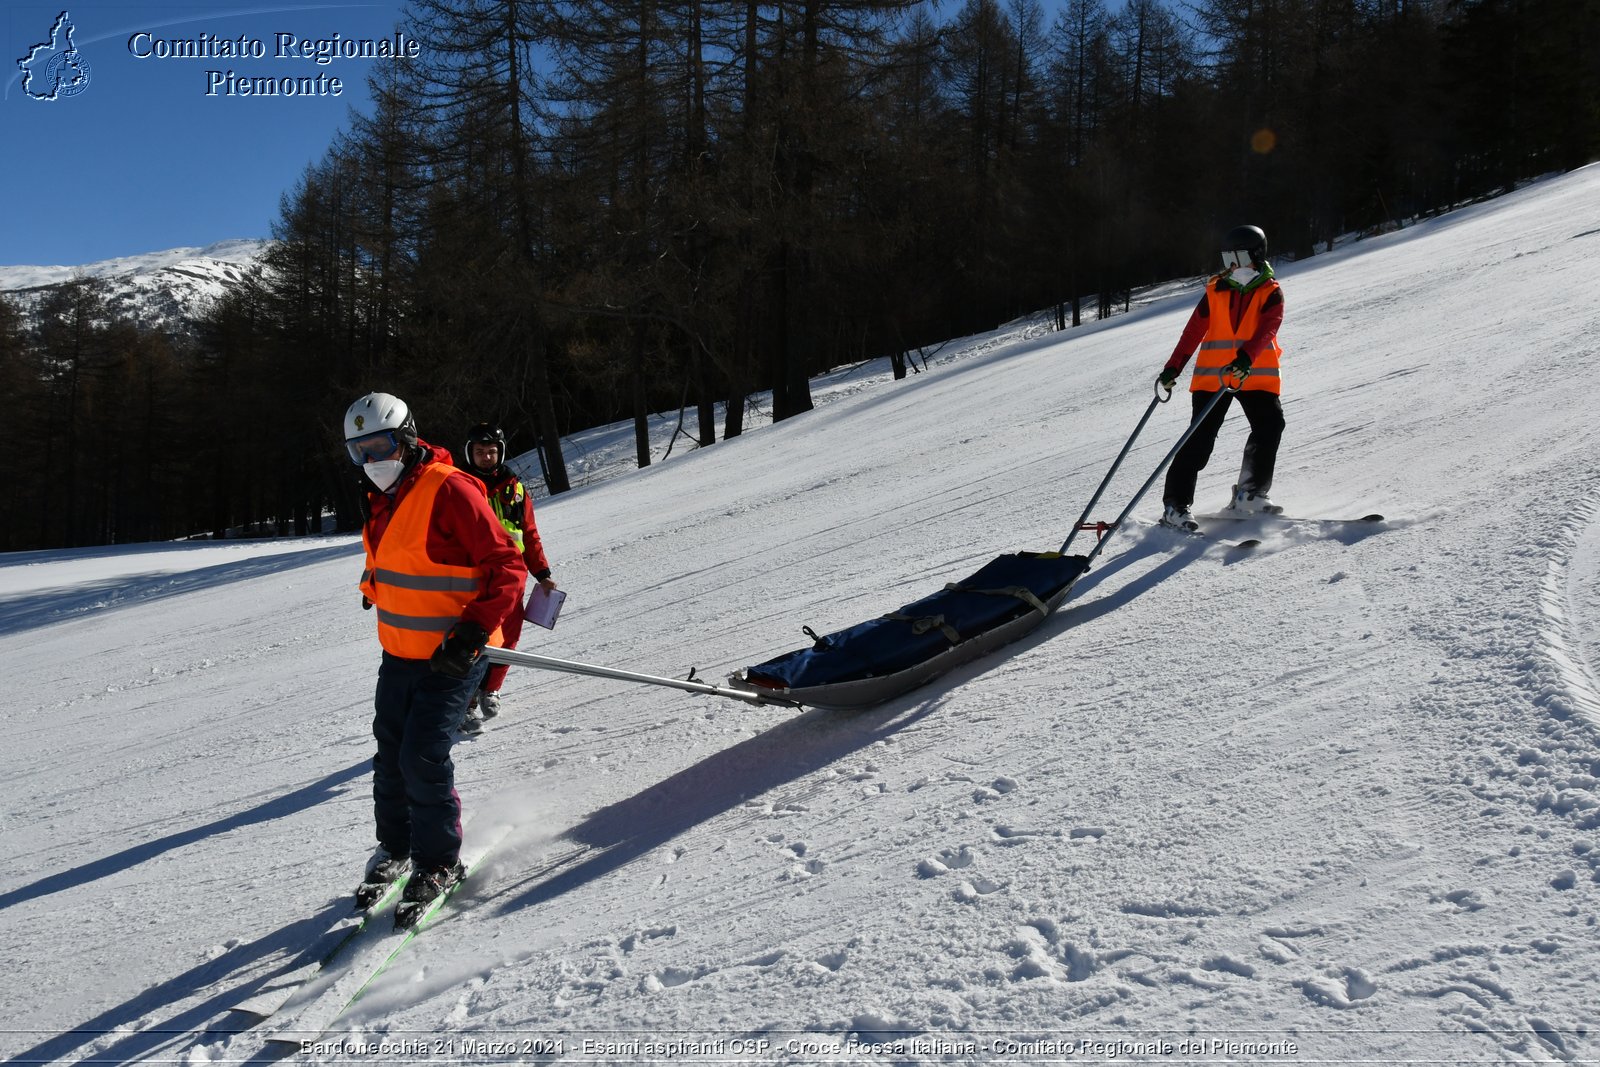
(544,409)
(641,405)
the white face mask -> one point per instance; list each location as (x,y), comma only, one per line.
(1243,276)
(384,472)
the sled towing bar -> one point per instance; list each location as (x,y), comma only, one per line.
(513,658)
(1104,530)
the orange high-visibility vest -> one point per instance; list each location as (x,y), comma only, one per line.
(1223,340)
(417,600)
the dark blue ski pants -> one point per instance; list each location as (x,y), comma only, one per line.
(413,778)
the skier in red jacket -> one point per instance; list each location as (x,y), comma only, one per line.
(441,575)
(1235,327)
(485,455)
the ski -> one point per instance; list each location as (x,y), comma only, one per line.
(271,999)
(1278,516)
(321,1002)
(1203,534)
(318,1012)
(1264,522)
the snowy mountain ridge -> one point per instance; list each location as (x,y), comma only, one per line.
(158,289)
(1336,800)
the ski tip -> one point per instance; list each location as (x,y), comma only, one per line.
(1374,517)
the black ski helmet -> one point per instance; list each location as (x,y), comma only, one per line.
(1250,239)
(485,433)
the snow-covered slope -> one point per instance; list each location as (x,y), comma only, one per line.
(161,289)
(1334,801)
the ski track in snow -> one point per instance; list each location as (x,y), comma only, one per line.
(1570,595)
(1343,790)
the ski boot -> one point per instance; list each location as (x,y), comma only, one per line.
(383,870)
(1252,502)
(423,889)
(489,704)
(472,722)
(1179,518)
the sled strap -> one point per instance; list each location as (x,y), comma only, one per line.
(1020,592)
(921,624)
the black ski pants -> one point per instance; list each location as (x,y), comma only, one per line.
(414,797)
(1260,449)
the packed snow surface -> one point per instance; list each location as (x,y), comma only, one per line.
(1334,800)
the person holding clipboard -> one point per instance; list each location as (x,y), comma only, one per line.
(485,455)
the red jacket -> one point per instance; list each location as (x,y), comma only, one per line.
(1200,321)
(463,532)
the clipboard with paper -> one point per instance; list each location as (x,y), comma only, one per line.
(544,605)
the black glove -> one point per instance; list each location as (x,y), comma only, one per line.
(1240,367)
(1168,378)
(461,649)
(366,605)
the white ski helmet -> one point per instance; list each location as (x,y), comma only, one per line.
(378,413)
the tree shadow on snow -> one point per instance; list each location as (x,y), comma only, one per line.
(306,939)
(193,1025)
(307,796)
(41,607)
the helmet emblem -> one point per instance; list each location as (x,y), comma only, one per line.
(361,422)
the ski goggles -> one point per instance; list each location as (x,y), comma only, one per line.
(373,448)
(1235,258)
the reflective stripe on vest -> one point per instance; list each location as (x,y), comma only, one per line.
(417,599)
(1223,340)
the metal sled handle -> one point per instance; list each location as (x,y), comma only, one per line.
(513,658)
(1095,499)
(1226,390)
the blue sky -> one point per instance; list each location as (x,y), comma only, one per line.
(142,159)
(150,154)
